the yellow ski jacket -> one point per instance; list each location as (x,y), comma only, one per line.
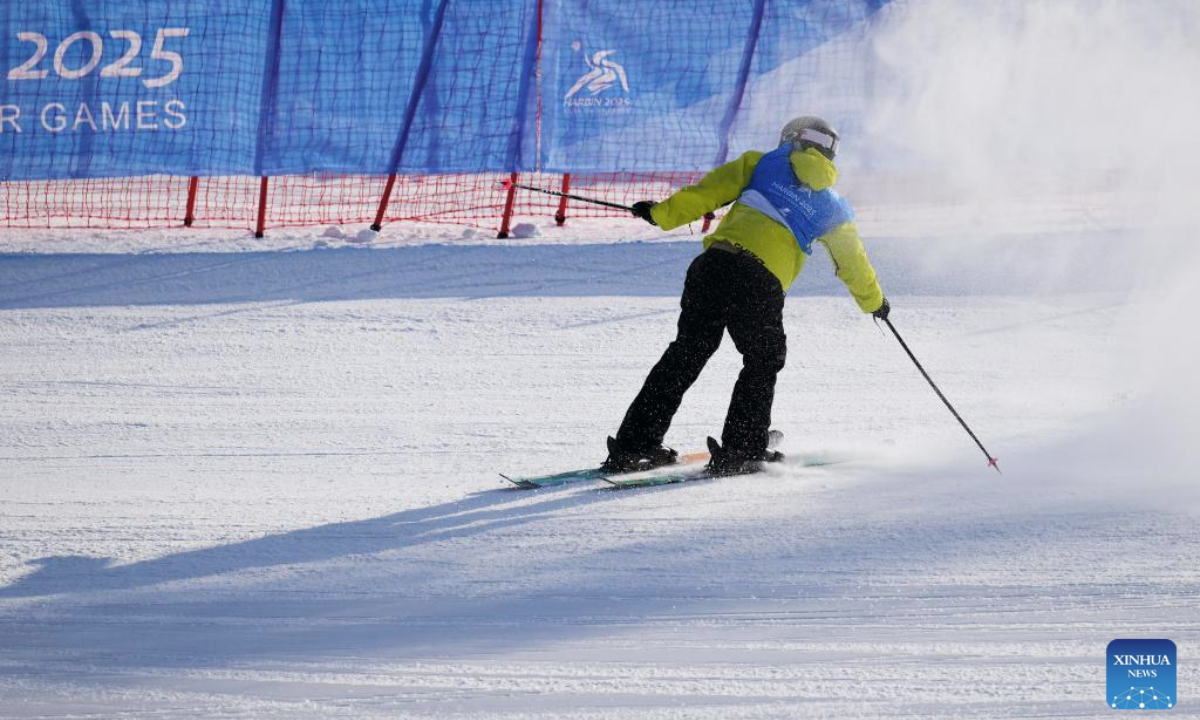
(767,239)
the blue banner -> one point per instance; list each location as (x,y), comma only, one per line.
(103,89)
(381,86)
(686,85)
(620,87)
(95,88)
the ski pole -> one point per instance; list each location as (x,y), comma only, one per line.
(992,462)
(507,183)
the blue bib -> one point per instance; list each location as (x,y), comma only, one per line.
(775,192)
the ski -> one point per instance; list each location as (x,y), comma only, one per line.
(685,465)
(564,478)
(576,476)
(654,478)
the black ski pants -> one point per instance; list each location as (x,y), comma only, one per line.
(724,291)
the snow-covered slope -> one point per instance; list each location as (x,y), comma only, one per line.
(263,485)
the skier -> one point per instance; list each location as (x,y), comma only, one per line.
(784,202)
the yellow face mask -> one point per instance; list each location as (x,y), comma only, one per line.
(814,169)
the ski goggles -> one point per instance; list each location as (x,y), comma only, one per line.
(822,140)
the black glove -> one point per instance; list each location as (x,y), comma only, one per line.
(642,209)
(882,312)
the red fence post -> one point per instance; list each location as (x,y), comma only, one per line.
(262,208)
(190,216)
(508,206)
(561,216)
(383,203)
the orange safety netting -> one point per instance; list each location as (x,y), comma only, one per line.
(320,199)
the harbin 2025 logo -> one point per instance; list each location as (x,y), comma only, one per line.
(1141,675)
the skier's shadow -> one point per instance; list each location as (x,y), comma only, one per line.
(482,512)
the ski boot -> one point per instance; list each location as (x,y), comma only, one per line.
(731,461)
(621,460)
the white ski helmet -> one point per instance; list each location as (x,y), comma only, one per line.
(808,131)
